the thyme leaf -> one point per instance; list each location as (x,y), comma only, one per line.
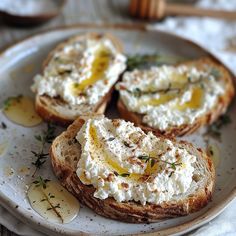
(40,182)
(125,174)
(127,144)
(111,139)
(214,130)
(137,92)
(173,164)
(144,158)
(122,175)
(8,102)
(153,161)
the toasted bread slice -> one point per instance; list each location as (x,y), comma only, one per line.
(208,117)
(65,153)
(55,109)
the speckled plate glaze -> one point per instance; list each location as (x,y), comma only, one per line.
(21,62)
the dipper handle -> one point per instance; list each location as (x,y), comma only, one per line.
(157,9)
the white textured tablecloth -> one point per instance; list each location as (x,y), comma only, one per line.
(217,36)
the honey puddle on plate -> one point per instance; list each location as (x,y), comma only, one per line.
(21,110)
(52,201)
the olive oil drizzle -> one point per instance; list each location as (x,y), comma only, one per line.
(151,162)
(98,68)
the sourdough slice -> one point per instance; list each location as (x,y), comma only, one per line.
(207,118)
(65,153)
(55,109)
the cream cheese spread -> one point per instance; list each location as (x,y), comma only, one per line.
(81,72)
(170,96)
(123,162)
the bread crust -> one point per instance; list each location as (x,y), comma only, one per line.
(65,166)
(208,118)
(46,106)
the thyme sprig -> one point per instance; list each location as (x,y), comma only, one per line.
(40,182)
(46,137)
(153,161)
(137,92)
(41,159)
(214,130)
(147,60)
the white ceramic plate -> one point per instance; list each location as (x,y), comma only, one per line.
(21,62)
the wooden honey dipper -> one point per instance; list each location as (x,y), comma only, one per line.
(158,9)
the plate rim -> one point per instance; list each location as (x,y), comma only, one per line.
(47,228)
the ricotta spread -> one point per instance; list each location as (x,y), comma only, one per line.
(81,72)
(123,162)
(170,96)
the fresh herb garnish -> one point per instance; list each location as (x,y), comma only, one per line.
(138,92)
(8,102)
(144,61)
(136,61)
(41,159)
(153,161)
(171,173)
(46,137)
(3,125)
(122,175)
(173,164)
(66,71)
(125,174)
(127,144)
(144,158)
(111,139)
(40,182)
(202,85)
(215,72)
(214,129)
(54,207)
(49,135)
